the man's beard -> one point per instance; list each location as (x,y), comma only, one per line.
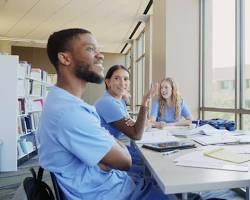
(84,73)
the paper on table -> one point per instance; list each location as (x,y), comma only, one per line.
(223,154)
(197,159)
(216,139)
(157,137)
(240,149)
(213,131)
(198,130)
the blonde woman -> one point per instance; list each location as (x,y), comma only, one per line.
(170,108)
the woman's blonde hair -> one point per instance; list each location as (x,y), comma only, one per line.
(175,98)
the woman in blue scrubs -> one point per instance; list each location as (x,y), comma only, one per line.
(112,110)
(170,108)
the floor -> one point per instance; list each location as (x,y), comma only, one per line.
(10,181)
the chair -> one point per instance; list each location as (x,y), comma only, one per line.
(58,191)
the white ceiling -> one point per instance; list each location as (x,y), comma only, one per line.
(32,21)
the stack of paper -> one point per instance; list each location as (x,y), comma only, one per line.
(222,139)
(216,139)
(198,159)
(213,131)
(157,137)
(198,130)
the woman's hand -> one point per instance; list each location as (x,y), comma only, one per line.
(129,122)
(152,92)
(159,125)
(126,96)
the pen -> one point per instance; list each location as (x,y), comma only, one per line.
(170,152)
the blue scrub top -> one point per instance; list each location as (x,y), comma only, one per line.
(169,115)
(110,110)
(72,143)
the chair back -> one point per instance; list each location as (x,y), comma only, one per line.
(58,191)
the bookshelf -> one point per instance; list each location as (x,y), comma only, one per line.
(23,90)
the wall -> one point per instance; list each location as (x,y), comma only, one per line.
(180,59)
(36,56)
(5,46)
(182,53)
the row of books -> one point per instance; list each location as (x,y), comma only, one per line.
(28,124)
(26,106)
(31,87)
(36,88)
(25,70)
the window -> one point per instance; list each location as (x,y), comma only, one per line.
(219,51)
(247,83)
(128,59)
(246,56)
(139,71)
(226,84)
(225,58)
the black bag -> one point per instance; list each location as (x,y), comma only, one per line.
(35,188)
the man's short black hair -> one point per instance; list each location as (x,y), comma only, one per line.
(60,42)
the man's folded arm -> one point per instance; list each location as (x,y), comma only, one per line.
(118,157)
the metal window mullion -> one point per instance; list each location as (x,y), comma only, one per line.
(237,52)
(242,56)
(202,58)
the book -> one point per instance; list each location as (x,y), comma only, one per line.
(199,160)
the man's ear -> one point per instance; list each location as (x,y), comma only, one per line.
(64,58)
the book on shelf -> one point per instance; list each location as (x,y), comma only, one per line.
(23,70)
(21,92)
(21,106)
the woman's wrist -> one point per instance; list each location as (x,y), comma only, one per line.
(144,108)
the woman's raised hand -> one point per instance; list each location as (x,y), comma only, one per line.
(152,92)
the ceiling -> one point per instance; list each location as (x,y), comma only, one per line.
(30,22)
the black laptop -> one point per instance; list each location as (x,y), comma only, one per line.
(169,146)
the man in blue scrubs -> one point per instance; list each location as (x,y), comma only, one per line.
(87,161)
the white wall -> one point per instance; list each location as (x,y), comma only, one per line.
(182,53)
(181,56)
(5,46)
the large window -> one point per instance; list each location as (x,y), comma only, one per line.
(139,68)
(225,60)
(219,47)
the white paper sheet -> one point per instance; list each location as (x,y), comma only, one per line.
(157,137)
(197,159)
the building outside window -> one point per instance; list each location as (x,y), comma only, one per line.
(225,61)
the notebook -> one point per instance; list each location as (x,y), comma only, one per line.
(223,154)
(169,146)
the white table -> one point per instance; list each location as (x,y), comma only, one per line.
(177,179)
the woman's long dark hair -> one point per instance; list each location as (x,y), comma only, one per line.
(111,71)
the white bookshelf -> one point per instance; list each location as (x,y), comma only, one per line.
(22,96)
